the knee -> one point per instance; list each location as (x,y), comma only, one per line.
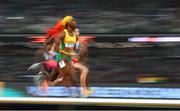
(85,70)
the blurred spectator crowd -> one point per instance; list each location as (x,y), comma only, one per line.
(93,16)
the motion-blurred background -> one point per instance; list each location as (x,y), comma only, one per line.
(111,22)
(93,16)
(113,60)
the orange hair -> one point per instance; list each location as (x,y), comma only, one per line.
(57,28)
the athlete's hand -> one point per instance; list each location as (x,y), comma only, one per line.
(52,53)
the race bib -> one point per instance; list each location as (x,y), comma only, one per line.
(69,45)
(62,64)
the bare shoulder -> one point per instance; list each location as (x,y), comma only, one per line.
(62,34)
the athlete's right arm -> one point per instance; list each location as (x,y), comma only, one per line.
(58,39)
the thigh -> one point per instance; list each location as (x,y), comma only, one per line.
(79,66)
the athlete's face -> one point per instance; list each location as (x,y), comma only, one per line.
(72,24)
